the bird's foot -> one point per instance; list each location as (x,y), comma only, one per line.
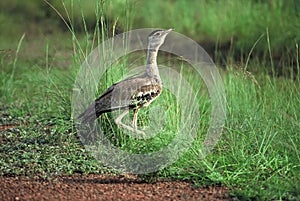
(140,132)
(135,131)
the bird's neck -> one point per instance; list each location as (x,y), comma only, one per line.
(152,69)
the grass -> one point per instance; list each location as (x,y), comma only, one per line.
(257,157)
(233,26)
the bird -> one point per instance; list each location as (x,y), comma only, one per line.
(133,93)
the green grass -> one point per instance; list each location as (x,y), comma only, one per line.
(257,157)
(234,25)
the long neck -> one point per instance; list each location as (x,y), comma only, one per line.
(152,69)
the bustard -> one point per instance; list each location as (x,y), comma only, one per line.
(132,93)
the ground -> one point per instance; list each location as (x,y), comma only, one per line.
(105,187)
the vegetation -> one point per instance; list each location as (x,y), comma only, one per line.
(258,155)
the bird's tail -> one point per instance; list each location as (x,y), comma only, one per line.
(89,115)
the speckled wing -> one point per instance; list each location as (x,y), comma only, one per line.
(130,93)
(135,93)
(144,95)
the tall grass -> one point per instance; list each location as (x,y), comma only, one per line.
(236,22)
(258,155)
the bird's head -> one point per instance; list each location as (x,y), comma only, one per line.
(157,38)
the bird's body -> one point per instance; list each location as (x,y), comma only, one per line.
(132,93)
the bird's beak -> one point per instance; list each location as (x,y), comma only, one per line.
(169,30)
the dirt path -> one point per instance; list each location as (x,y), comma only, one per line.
(104,187)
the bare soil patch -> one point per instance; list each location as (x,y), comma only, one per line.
(105,187)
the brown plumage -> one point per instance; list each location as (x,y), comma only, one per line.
(132,93)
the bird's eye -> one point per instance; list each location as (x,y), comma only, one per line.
(157,34)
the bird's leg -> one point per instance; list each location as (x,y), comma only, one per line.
(134,120)
(118,121)
(134,123)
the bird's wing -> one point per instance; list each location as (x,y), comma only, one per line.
(144,95)
(130,93)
